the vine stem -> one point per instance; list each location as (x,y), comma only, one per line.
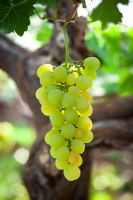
(66,42)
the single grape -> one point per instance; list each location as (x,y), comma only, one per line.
(78,133)
(75,159)
(57,119)
(68,131)
(46,79)
(68,101)
(91,63)
(61,164)
(90,73)
(55,97)
(71,172)
(44,68)
(88,112)
(49,135)
(41,94)
(83,82)
(63,153)
(70,116)
(87,137)
(73,90)
(60,74)
(82,105)
(47,109)
(71,79)
(77,146)
(57,141)
(84,123)
(86,95)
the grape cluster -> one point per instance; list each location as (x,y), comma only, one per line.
(64,97)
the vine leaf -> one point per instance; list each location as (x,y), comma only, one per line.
(14,15)
(107,11)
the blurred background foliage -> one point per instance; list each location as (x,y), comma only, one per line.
(111,180)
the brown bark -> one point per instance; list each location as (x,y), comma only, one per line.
(113,127)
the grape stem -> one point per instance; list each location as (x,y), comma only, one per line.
(84,4)
(66,42)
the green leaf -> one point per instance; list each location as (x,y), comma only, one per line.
(107,11)
(51,3)
(14,15)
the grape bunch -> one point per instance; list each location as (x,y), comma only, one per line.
(64,97)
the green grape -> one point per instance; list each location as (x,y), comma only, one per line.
(46,79)
(44,68)
(70,116)
(82,105)
(77,146)
(49,135)
(47,109)
(73,90)
(63,153)
(55,97)
(71,172)
(78,133)
(88,112)
(68,131)
(90,73)
(87,137)
(51,87)
(41,94)
(91,63)
(57,141)
(75,159)
(53,152)
(71,79)
(61,164)
(83,82)
(84,123)
(68,101)
(86,95)
(57,119)
(60,74)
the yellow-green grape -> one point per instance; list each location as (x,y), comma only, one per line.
(55,97)
(53,152)
(61,164)
(71,172)
(70,116)
(82,105)
(46,79)
(78,133)
(50,134)
(57,141)
(83,82)
(88,112)
(90,73)
(91,63)
(87,137)
(47,109)
(44,68)
(41,94)
(63,153)
(74,91)
(71,79)
(75,159)
(68,131)
(84,123)
(51,87)
(86,95)
(57,119)
(77,146)
(68,101)
(60,74)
